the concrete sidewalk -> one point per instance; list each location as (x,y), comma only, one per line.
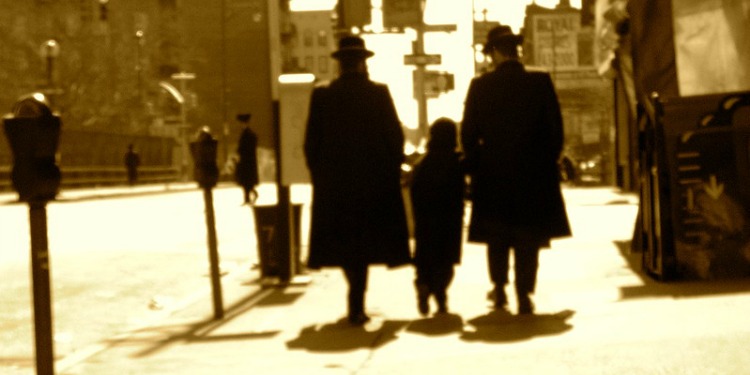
(596,314)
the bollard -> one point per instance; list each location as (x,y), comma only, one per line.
(33,133)
(206,173)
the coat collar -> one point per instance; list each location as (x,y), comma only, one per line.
(510,66)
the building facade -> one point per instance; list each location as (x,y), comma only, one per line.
(560,41)
(312,43)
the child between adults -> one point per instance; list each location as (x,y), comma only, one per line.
(437,195)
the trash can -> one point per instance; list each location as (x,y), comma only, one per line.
(694,198)
(269,256)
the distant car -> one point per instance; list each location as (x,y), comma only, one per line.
(590,169)
(580,170)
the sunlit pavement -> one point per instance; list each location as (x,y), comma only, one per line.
(596,314)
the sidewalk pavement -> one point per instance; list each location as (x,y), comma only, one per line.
(596,314)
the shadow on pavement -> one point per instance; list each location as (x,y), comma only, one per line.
(437,325)
(685,288)
(341,336)
(501,326)
(673,288)
(157,338)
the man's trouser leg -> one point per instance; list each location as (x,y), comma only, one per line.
(356,277)
(526,264)
(497,260)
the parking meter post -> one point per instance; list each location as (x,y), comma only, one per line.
(41,288)
(213,254)
(283,238)
(33,134)
(206,173)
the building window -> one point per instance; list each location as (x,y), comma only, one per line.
(307,38)
(309,64)
(323,64)
(322,38)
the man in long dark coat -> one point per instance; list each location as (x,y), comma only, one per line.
(246,170)
(512,137)
(354,149)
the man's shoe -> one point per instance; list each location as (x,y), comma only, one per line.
(525,305)
(358,319)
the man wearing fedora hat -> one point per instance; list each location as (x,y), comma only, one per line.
(512,136)
(354,149)
(246,170)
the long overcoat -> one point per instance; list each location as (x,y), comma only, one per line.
(246,170)
(512,137)
(354,150)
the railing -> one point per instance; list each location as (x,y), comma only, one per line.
(102,176)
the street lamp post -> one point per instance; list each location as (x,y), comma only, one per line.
(49,50)
(183,77)
(138,63)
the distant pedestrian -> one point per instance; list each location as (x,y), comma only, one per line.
(246,169)
(354,150)
(132,161)
(512,137)
(437,195)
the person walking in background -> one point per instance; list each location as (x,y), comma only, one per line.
(354,150)
(512,137)
(437,196)
(246,169)
(132,162)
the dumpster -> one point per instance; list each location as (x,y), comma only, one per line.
(269,257)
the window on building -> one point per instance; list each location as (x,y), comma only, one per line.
(322,38)
(323,64)
(309,64)
(307,40)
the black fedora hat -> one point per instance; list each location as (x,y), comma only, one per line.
(353,46)
(244,117)
(500,34)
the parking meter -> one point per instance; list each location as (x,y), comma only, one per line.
(206,173)
(33,133)
(203,150)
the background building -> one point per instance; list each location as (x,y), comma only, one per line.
(312,43)
(560,40)
(114,76)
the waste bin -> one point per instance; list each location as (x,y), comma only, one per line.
(695,203)
(269,256)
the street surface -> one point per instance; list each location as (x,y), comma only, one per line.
(116,264)
(597,313)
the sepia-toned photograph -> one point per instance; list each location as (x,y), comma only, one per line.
(364,187)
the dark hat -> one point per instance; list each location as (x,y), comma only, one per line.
(243,117)
(501,34)
(352,46)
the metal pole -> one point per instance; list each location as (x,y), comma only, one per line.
(45,362)
(213,253)
(420,73)
(225,125)
(183,129)
(283,243)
